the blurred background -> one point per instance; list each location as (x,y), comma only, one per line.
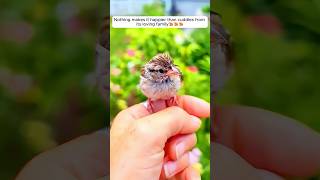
(130,49)
(47,83)
(48,91)
(276,57)
(149,7)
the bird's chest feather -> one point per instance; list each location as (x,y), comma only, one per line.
(156,90)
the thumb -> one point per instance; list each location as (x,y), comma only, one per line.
(190,104)
(170,122)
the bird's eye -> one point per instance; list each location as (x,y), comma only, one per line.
(161,71)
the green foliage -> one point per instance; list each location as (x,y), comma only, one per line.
(55,99)
(206,9)
(190,52)
(154,9)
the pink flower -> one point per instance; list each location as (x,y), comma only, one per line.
(17,84)
(132,67)
(194,155)
(131,52)
(115,71)
(193,69)
(268,24)
(115,88)
(17,31)
(133,70)
(73,25)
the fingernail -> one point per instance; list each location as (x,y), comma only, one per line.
(195,173)
(180,148)
(193,158)
(196,120)
(196,152)
(196,176)
(145,104)
(169,169)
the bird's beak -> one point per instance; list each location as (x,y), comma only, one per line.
(173,72)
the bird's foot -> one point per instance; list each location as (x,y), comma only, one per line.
(173,101)
(157,105)
(150,106)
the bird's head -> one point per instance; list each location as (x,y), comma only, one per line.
(161,69)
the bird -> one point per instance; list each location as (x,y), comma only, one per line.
(222,60)
(160,81)
(221,53)
(102,60)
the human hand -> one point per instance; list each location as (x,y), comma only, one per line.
(82,158)
(85,157)
(251,143)
(144,146)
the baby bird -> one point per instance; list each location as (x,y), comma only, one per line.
(159,81)
(221,53)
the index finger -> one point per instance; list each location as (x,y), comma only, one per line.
(171,121)
(269,140)
(192,105)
